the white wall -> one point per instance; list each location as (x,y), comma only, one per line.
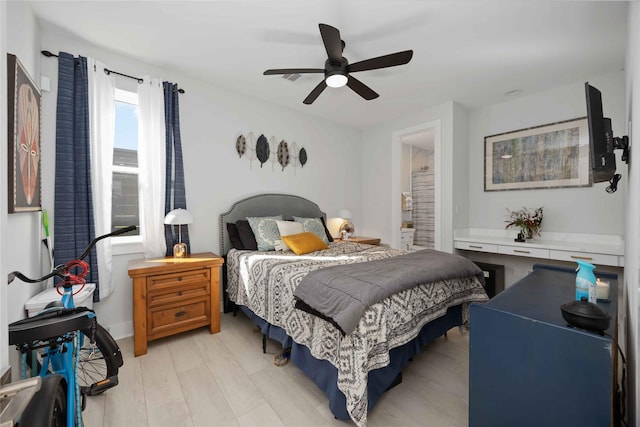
(632,249)
(211,119)
(21,240)
(571,210)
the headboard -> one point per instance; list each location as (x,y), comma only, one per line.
(266,205)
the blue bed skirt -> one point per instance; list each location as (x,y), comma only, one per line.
(325,375)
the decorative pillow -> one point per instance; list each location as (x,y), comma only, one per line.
(265,231)
(246,235)
(313,225)
(287,228)
(234,237)
(304,243)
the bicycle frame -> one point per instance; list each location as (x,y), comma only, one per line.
(60,350)
(61,355)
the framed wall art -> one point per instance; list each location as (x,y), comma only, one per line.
(24,110)
(549,156)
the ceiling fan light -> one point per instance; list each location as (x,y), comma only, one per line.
(336,80)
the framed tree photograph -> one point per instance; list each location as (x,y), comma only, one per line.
(24,110)
(549,156)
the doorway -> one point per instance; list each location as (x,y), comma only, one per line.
(416,160)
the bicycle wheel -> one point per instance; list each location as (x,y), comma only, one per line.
(48,407)
(98,363)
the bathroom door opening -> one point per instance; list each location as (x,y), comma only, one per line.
(417,173)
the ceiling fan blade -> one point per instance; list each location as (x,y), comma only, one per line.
(332,43)
(315,93)
(391,60)
(361,89)
(293,71)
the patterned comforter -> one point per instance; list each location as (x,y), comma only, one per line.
(264,282)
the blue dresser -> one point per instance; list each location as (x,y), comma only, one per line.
(527,367)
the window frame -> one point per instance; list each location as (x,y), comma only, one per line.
(126,244)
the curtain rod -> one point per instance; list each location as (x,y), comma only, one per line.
(106,70)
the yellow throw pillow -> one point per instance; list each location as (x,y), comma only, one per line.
(303,243)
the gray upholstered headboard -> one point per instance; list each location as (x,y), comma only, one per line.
(266,205)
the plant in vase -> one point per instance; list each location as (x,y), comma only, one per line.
(529,221)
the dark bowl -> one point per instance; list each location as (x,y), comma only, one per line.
(585,315)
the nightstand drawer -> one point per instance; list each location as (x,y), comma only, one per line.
(181,279)
(177,294)
(169,320)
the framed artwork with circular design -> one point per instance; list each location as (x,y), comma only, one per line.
(24,110)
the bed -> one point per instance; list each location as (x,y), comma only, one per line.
(355,367)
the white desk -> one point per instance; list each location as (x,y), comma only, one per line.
(594,248)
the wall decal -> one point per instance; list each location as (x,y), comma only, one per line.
(283,154)
(241,145)
(264,150)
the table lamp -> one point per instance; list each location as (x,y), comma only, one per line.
(346,228)
(179,217)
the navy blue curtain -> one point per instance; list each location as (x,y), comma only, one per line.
(174,192)
(73,222)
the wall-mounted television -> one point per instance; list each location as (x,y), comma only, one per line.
(602,143)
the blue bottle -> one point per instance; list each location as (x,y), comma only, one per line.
(586,282)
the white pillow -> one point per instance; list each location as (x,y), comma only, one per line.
(286,228)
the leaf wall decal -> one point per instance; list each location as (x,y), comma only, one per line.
(241,145)
(302,157)
(262,149)
(283,154)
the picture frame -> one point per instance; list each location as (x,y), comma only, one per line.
(555,155)
(24,113)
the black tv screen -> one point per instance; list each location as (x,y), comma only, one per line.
(603,159)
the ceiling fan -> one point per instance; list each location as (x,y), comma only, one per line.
(337,69)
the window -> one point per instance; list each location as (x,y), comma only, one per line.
(125,208)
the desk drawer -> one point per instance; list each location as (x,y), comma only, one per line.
(524,251)
(480,247)
(597,259)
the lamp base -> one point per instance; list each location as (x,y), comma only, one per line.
(179,250)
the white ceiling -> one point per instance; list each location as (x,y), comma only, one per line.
(471,52)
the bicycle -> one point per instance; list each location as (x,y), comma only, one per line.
(66,346)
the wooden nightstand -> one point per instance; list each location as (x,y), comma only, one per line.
(363,240)
(173,295)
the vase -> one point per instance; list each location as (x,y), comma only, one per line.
(527,233)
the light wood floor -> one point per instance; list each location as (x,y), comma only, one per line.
(198,379)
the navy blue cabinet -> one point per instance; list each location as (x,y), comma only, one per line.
(527,367)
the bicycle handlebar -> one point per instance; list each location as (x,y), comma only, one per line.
(60,270)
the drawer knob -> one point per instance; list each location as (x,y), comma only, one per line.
(179,293)
(180,313)
(180,279)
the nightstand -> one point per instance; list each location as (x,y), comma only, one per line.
(173,295)
(364,240)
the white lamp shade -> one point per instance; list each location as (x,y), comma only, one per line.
(178,217)
(344,214)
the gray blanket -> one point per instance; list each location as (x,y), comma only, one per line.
(342,293)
